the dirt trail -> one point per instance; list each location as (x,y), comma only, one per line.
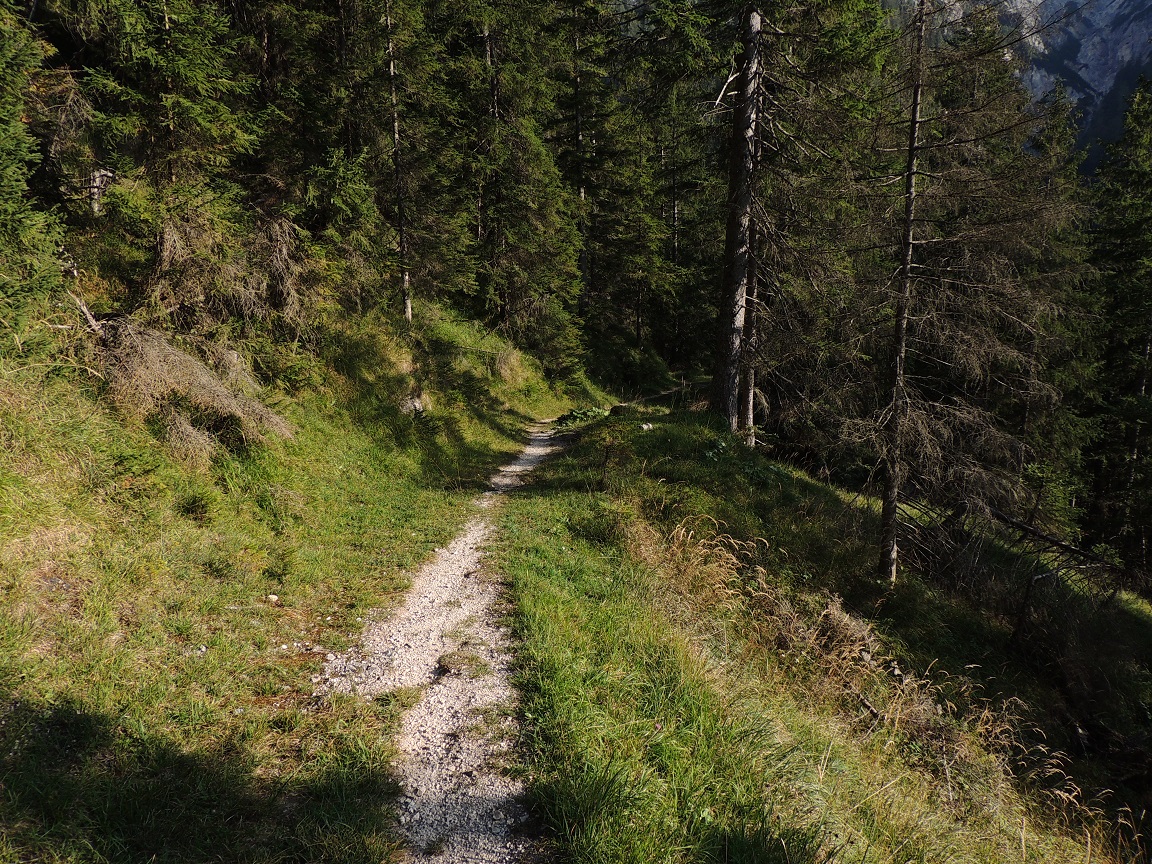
(457,805)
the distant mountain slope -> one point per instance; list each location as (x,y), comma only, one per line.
(1098,49)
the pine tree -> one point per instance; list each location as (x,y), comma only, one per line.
(739,268)
(526,242)
(780,123)
(164,123)
(609,115)
(27,235)
(979,270)
(165,87)
(1122,506)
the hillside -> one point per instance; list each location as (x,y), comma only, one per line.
(708,670)
(857,569)
(163,619)
(711,672)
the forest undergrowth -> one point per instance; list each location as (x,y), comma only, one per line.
(711,671)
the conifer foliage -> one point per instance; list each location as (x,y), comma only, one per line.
(854,219)
(979,271)
(1122,465)
(27,233)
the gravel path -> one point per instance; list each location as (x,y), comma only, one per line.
(457,805)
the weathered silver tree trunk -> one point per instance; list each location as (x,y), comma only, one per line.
(581,189)
(748,373)
(493,227)
(398,173)
(738,230)
(748,349)
(1135,437)
(97,183)
(892,458)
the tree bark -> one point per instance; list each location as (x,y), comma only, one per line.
(892,459)
(398,173)
(1134,428)
(748,379)
(747,421)
(675,193)
(578,118)
(494,229)
(738,229)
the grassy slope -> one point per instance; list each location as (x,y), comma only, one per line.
(698,696)
(154,699)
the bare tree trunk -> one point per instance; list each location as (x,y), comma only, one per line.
(1134,429)
(170,121)
(747,420)
(893,456)
(494,229)
(493,73)
(738,230)
(675,194)
(97,184)
(343,54)
(398,172)
(748,379)
(578,110)
(639,322)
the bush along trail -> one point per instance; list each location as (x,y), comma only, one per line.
(445,654)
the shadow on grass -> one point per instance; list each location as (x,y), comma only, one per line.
(77,785)
(449,457)
(590,808)
(757,843)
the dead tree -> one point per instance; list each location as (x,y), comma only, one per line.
(739,224)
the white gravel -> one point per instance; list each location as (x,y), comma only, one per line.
(457,806)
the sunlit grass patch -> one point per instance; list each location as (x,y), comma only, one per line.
(161,622)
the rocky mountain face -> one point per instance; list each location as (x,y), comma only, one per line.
(1097,48)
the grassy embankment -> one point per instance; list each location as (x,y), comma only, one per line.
(694,693)
(160,622)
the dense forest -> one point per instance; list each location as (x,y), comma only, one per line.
(846,227)
(859,224)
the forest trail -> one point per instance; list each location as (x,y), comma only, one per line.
(446,643)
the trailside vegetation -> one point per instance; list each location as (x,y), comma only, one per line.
(710,665)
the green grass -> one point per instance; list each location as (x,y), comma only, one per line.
(638,756)
(705,658)
(160,624)
(694,693)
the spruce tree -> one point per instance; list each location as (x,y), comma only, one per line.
(165,122)
(785,82)
(27,234)
(979,266)
(526,242)
(1122,465)
(609,114)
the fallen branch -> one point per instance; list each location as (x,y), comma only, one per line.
(1056,542)
(93,324)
